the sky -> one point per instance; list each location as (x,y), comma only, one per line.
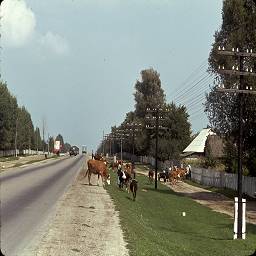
(74,63)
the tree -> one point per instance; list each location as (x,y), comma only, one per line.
(149,93)
(38,139)
(238,31)
(67,147)
(25,130)
(8,117)
(51,144)
(177,136)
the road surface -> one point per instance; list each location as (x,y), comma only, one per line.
(28,199)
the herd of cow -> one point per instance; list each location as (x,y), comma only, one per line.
(126,174)
(98,166)
(173,176)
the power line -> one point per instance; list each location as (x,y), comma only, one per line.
(181,91)
(193,86)
(193,94)
(184,84)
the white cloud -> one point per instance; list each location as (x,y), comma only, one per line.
(18,28)
(54,43)
(18,22)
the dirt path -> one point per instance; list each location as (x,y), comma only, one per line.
(86,223)
(215,201)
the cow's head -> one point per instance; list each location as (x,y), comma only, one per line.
(108,179)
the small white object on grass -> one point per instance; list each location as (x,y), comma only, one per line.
(183,214)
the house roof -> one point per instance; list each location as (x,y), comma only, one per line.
(198,144)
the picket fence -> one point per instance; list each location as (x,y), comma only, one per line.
(24,152)
(210,177)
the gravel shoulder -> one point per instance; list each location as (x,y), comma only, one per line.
(86,223)
(215,201)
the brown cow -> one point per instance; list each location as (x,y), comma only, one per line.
(134,188)
(177,174)
(128,168)
(98,157)
(150,175)
(99,168)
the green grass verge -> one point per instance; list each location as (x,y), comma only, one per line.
(154,225)
(34,161)
(10,158)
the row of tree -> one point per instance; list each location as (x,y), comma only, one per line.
(149,94)
(17,128)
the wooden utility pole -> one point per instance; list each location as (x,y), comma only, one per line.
(241,72)
(157,114)
(132,128)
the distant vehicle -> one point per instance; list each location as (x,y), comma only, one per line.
(74,150)
(84,149)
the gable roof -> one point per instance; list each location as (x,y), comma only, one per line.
(198,144)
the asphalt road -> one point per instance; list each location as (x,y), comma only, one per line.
(28,199)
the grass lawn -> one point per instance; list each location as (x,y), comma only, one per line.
(154,225)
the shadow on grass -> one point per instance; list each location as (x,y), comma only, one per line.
(250,228)
(206,196)
(163,191)
(196,235)
(87,184)
(129,198)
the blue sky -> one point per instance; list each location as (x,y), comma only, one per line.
(75,62)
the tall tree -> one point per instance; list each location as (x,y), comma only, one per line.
(67,147)
(38,139)
(176,137)
(149,93)
(51,144)
(238,30)
(25,130)
(8,117)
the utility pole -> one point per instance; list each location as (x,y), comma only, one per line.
(241,72)
(108,138)
(103,144)
(16,135)
(157,116)
(110,147)
(120,134)
(43,130)
(133,127)
(48,143)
